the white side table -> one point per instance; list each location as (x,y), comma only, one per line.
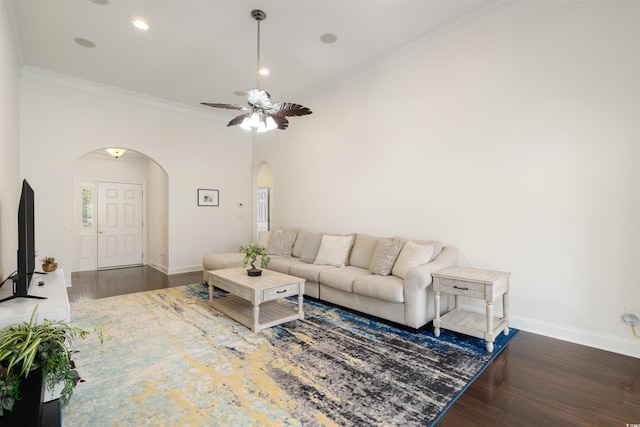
(473,283)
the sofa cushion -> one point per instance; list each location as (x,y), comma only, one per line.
(437,245)
(282,264)
(385,256)
(281,243)
(308,272)
(386,288)
(342,278)
(362,251)
(411,256)
(334,250)
(311,246)
(300,242)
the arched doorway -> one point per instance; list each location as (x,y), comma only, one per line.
(119,211)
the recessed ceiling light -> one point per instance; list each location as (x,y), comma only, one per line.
(328,38)
(100,1)
(240,92)
(264,72)
(84,42)
(140,24)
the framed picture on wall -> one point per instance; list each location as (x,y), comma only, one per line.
(208,197)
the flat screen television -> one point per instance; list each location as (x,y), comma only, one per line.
(26,245)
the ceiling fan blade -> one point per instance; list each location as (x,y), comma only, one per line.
(238,120)
(289,109)
(227,106)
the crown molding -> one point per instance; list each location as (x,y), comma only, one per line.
(36,73)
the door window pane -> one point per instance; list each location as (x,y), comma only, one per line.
(87,208)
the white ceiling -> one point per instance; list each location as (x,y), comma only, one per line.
(205,50)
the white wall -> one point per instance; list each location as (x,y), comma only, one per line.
(9,147)
(515,138)
(62,119)
(157,214)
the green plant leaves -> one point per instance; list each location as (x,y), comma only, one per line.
(26,346)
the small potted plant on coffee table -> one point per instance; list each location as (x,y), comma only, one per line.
(251,253)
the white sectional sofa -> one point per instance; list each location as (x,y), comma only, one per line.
(388,277)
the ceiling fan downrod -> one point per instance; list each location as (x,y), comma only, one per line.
(258,15)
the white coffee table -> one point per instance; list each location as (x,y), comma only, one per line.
(253,300)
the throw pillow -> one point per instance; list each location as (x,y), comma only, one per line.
(334,250)
(385,256)
(311,247)
(411,256)
(281,243)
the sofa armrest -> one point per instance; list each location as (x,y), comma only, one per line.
(418,309)
(420,277)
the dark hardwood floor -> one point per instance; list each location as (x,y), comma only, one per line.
(88,285)
(541,381)
(535,381)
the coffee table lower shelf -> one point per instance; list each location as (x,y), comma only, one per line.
(271,313)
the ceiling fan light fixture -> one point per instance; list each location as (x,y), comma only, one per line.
(262,114)
(245,124)
(255,120)
(271,124)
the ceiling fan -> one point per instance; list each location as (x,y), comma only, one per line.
(262,114)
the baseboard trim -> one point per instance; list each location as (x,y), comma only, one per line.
(576,336)
(186,269)
(158,267)
(175,270)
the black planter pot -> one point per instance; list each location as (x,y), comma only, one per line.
(27,411)
(254,272)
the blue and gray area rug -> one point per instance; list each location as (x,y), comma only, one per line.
(170,360)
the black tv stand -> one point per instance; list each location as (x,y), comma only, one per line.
(20,292)
(23,296)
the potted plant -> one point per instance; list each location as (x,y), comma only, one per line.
(251,252)
(34,356)
(49,264)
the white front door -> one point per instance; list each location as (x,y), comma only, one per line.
(262,204)
(119,222)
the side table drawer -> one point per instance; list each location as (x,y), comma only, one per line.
(461,287)
(280,292)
